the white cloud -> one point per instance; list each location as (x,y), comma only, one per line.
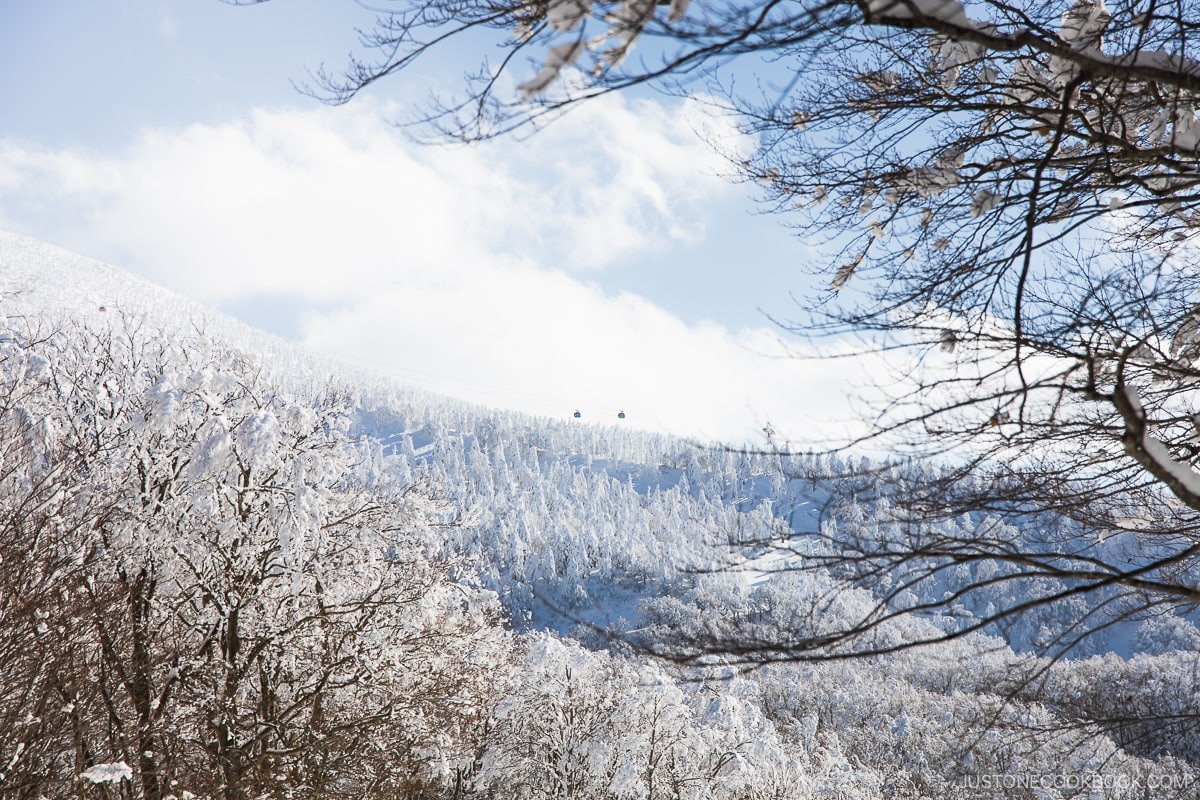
(321,201)
(458,268)
(545,343)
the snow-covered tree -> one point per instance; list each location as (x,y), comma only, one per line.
(192,537)
(211,583)
(593,725)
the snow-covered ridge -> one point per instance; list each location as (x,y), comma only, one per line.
(562,522)
(51,283)
(558,516)
(39,277)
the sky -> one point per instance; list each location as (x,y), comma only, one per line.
(604,264)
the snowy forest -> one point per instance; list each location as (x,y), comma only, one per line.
(230,569)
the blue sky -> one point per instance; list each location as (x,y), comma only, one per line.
(602,265)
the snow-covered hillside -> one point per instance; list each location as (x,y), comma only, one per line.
(541,558)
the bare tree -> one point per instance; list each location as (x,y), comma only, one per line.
(1006,195)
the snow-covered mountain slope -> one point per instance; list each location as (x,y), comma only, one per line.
(584,531)
(569,521)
